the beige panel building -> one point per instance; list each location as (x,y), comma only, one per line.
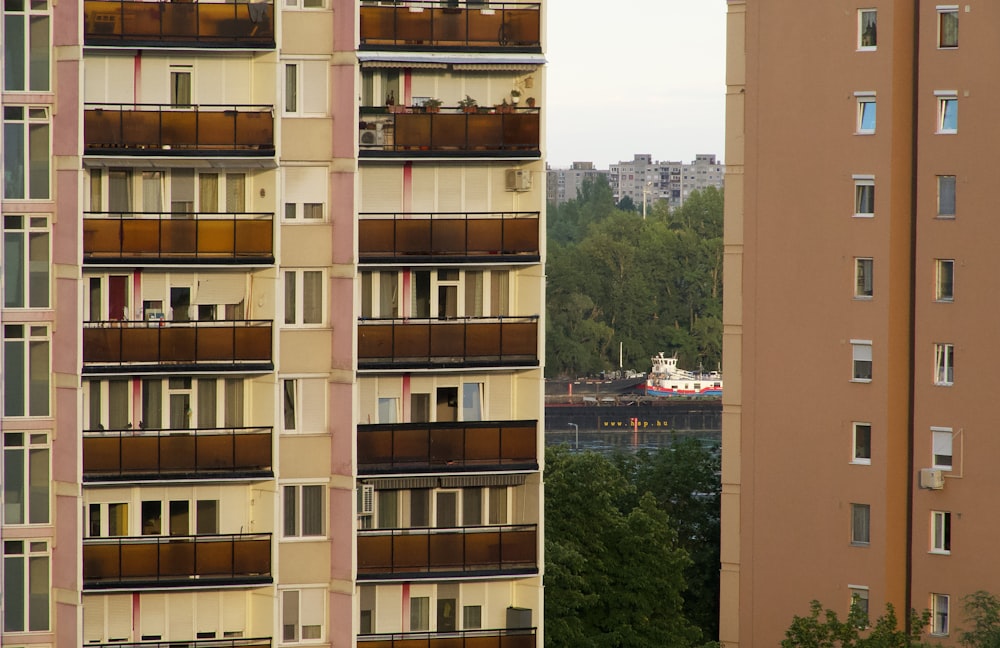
(856,457)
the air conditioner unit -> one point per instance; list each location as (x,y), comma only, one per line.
(931,479)
(518,180)
(366,500)
(373,137)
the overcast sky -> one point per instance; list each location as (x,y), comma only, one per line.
(634,76)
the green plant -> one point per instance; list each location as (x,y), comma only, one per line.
(433,104)
(468,102)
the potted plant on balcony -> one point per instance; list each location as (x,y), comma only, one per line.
(468,104)
(515,96)
(432,105)
(530,101)
(504,107)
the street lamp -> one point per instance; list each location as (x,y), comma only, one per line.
(577,429)
(645,190)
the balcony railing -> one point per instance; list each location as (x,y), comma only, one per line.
(178,24)
(130,455)
(262,642)
(168,346)
(463,342)
(427,25)
(177,561)
(451,132)
(149,237)
(160,130)
(434,447)
(504,638)
(469,236)
(436,553)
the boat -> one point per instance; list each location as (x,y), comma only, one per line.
(666,379)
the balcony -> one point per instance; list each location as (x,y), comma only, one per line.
(170,346)
(414,132)
(421,25)
(164,130)
(262,642)
(456,343)
(177,561)
(446,447)
(439,553)
(481,237)
(130,23)
(504,638)
(145,455)
(203,238)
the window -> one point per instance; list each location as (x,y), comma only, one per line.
(302,615)
(26,155)
(859,598)
(420,614)
(26,478)
(946,196)
(947,27)
(180,86)
(941,532)
(303,405)
(26,261)
(941,448)
(863,278)
(26,46)
(304,4)
(26,370)
(306,88)
(862,360)
(944,279)
(305,194)
(25,586)
(472,617)
(472,401)
(944,364)
(947,112)
(304,297)
(866,29)
(939,614)
(862,443)
(866,112)
(302,511)
(864,196)
(860,524)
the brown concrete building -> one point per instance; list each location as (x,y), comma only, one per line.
(856,457)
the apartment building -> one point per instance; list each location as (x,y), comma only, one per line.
(858,345)
(644,180)
(272,355)
(564,184)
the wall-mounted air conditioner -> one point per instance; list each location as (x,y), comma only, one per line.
(373,137)
(518,180)
(931,478)
(366,499)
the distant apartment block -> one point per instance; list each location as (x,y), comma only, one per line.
(670,181)
(564,184)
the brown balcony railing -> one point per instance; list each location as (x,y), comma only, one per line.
(450,131)
(427,25)
(159,130)
(118,455)
(145,237)
(436,447)
(178,24)
(462,342)
(504,638)
(262,642)
(176,561)
(241,345)
(434,553)
(470,236)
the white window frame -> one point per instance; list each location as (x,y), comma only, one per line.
(31,442)
(305,390)
(312,592)
(303,190)
(31,549)
(177,71)
(30,116)
(298,518)
(940,532)
(29,12)
(856,457)
(31,225)
(942,445)
(310,82)
(942,11)
(940,608)
(947,101)
(864,186)
(863,100)
(859,593)
(954,197)
(864,288)
(861,351)
(861,524)
(944,364)
(305,5)
(298,316)
(31,333)
(861,28)
(940,274)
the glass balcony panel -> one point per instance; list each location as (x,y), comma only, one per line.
(448,235)
(216,129)
(141,454)
(214,557)
(410,552)
(253,237)
(163,129)
(101,238)
(255,129)
(413,131)
(216,344)
(518,548)
(180,236)
(177,558)
(177,452)
(413,26)
(179,21)
(376,447)
(143,236)
(520,235)
(447,551)
(139,344)
(483,339)
(486,235)
(167,342)
(194,237)
(252,557)
(424,25)
(447,340)
(410,446)
(445,642)
(253,343)
(446,445)
(517,640)
(482,445)
(101,454)
(413,236)
(520,338)
(520,131)
(412,341)
(448,131)
(519,443)
(101,562)
(139,560)
(253,451)
(389,236)
(522,28)
(180,343)
(486,131)
(375,341)
(376,237)
(374,554)
(467,341)
(486,28)
(482,550)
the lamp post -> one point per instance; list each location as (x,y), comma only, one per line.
(645,191)
(576,428)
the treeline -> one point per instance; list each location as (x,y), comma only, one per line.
(650,285)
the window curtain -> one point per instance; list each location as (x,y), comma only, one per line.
(208,192)
(312,510)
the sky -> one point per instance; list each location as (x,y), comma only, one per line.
(634,76)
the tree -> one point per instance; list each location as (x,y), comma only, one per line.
(626,204)
(823,629)
(982,609)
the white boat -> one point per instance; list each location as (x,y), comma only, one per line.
(666,379)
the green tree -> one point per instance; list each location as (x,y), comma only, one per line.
(823,629)
(982,609)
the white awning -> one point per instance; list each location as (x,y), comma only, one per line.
(220,290)
(460,60)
